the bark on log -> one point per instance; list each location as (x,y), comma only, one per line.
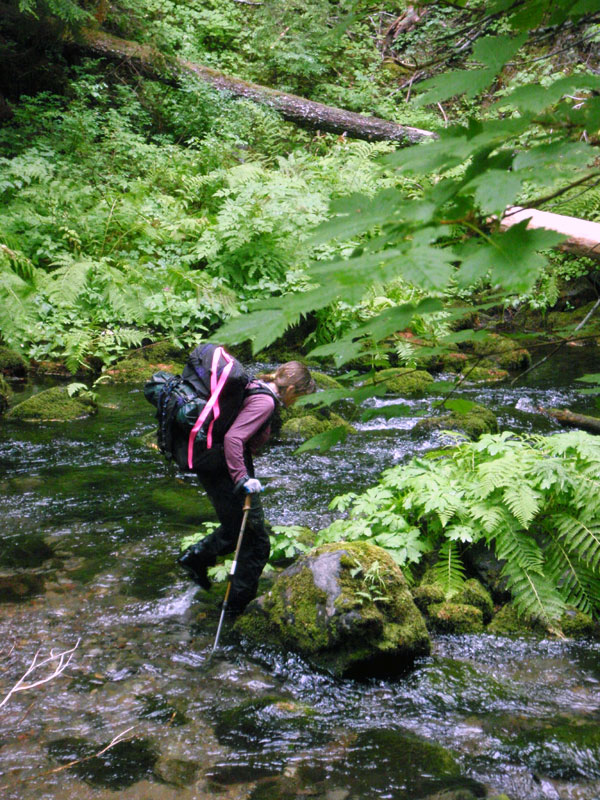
(570,420)
(583,236)
(306,113)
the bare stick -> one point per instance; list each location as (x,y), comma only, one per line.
(118,738)
(61,662)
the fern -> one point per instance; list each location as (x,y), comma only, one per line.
(449,570)
(533,500)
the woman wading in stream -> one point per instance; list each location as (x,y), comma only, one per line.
(227,474)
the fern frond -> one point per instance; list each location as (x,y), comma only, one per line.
(577,583)
(63,284)
(582,538)
(523,502)
(449,570)
(533,594)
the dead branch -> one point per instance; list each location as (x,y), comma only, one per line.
(60,660)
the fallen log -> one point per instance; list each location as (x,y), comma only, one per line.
(583,236)
(568,419)
(303,112)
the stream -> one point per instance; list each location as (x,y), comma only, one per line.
(96,516)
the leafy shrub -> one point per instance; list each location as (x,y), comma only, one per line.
(533,500)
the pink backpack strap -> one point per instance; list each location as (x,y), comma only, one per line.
(216,387)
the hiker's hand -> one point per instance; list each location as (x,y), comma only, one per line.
(252,486)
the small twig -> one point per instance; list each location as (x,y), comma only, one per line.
(118,738)
(441,108)
(541,200)
(63,659)
(247,2)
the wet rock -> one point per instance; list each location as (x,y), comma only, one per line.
(12,363)
(403,381)
(477,421)
(325,381)
(484,375)
(345,607)
(176,771)
(53,405)
(20,585)
(452,617)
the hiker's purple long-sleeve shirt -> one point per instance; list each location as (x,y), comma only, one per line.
(246,431)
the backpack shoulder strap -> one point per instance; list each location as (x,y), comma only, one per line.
(262,388)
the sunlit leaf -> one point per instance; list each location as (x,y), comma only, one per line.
(324,441)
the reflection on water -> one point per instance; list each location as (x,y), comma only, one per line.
(97,517)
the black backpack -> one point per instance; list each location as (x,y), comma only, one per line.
(195,409)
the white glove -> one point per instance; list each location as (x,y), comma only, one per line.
(252,486)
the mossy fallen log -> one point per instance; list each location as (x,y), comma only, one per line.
(303,112)
(571,420)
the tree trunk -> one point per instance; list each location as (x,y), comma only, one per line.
(306,113)
(583,236)
(570,420)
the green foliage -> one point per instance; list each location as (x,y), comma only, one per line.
(533,500)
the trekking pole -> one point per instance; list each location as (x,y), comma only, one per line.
(247,504)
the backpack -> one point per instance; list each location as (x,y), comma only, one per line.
(195,409)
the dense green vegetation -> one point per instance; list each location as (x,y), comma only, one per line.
(532,500)
(137,210)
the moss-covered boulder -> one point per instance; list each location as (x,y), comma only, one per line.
(577,625)
(477,421)
(485,375)
(403,381)
(53,405)
(325,381)
(5,394)
(307,425)
(428,594)
(473,593)
(139,370)
(508,622)
(12,363)
(453,617)
(504,352)
(345,607)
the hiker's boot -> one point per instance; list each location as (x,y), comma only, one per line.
(196,564)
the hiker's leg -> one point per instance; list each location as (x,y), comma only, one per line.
(253,556)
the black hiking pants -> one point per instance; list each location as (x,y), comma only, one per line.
(255,548)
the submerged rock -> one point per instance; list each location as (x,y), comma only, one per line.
(346,607)
(20,585)
(53,405)
(477,421)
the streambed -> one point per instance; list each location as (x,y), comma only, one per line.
(96,514)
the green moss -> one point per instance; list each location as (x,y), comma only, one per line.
(451,617)
(160,353)
(477,421)
(5,394)
(454,362)
(503,351)
(474,594)
(403,380)
(138,370)
(507,622)
(53,405)
(357,623)
(11,362)
(324,381)
(427,594)
(303,427)
(577,625)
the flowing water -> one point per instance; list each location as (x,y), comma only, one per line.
(96,518)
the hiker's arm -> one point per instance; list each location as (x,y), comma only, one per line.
(255,412)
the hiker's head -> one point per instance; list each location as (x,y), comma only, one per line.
(292,380)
